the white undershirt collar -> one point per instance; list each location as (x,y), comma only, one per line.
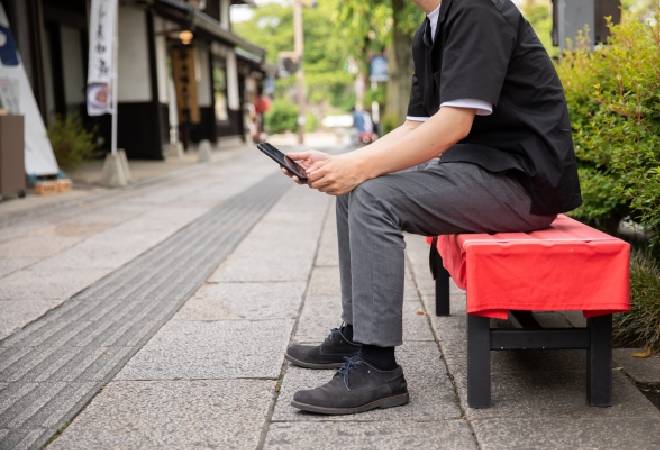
(433,20)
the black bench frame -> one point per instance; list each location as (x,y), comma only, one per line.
(596,339)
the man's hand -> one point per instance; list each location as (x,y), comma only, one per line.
(337,174)
(307,160)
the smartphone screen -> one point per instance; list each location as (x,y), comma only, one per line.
(283,160)
(293,167)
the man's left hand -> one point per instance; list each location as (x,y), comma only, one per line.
(337,175)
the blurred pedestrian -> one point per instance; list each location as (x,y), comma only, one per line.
(364,126)
(261,106)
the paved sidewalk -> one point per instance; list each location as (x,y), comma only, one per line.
(211,373)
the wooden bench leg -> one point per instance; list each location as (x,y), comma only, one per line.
(478,361)
(599,361)
(441,277)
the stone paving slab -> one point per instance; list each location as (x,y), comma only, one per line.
(28,406)
(102,251)
(450,434)
(223,414)
(97,219)
(23,438)
(564,433)
(9,264)
(275,252)
(18,313)
(224,301)
(54,364)
(58,285)
(282,246)
(195,349)
(103,258)
(432,394)
(254,264)
(642,370)
(132,240)
(555,394)
(37,245)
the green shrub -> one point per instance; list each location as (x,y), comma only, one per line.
(282,116)
(375,95)
(389,122)
(72,143)
(613,96)
(641,326)
(311,123)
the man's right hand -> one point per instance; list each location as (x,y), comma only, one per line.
(309,161)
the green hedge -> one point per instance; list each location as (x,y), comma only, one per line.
(641,326)
(613,96)
(282,116)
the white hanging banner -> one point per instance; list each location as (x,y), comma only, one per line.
(101,70)
(16,97)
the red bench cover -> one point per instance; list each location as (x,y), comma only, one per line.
(569,266)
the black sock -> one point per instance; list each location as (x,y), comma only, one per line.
(380,357)
(347,331)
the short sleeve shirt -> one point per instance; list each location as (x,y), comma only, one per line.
(485,50)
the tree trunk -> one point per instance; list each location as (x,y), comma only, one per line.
(399,58)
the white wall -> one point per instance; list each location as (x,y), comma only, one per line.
(134,78)
(233,100)
(162,69)
(202,75)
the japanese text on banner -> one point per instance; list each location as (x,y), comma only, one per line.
(101,69)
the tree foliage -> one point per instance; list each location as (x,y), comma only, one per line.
(335,32)
(282,117)
(325,52)
(539,15)
(271,27)
(368,24)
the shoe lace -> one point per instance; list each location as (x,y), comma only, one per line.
(345,370)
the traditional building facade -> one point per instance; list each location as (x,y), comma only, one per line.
(183,75)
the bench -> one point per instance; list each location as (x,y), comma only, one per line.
(568,266)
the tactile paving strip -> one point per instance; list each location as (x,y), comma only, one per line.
(52,368)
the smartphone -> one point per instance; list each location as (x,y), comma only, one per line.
(283,160)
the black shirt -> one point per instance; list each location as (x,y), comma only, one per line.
(485,50)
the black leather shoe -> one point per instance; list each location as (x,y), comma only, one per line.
(329,355)
(356,387)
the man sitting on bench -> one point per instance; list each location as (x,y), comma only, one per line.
(486,148)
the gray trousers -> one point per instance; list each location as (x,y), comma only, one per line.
(430,200)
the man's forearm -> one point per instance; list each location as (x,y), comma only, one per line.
(417,144)
(395,135)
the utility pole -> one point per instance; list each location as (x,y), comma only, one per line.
(300,75)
